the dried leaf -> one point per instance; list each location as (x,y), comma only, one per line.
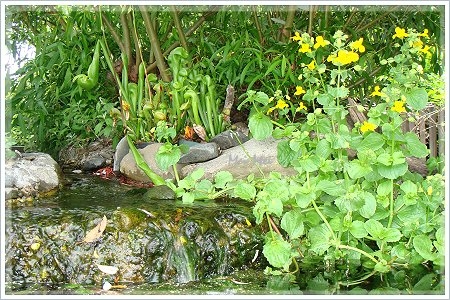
(108,269)
(188,133)
(200,131)
(97,231)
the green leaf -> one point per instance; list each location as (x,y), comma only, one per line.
(260,126)
(323,149)
(332,188)
(222,178)
(167,155)
(319,237)
(417,98)
(373,141)
(392,172)
(415,147)
(384,188)
(188,198)
(357,169)
(197,174)
(357,229)
(370,205)
(285,155)
(245,191)
(374,228)
(277,251)
(292,223)
(423,245)
(262,98)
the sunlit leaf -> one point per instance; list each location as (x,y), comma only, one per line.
(277,251)
(292,223)
(96,232)
(108,269)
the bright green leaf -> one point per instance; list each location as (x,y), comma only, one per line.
(292,223)
(260,126)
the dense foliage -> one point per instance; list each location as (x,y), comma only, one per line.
(353,201)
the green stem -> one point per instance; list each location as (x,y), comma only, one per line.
(360,251)
(391,205)
(323,219)
(175,172)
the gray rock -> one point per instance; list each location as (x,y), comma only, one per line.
(129,168)
(11,193)
(199,152)
(263,154)
(32,174)
(93,156)
(122,149)
(94,162)
(229,139)
(160,192)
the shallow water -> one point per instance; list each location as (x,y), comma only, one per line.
(206,248)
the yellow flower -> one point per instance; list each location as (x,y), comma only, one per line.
(425,49)
(320,42)
(367,126)
(429,190)
(296,37)
(304,48)
(376,92)
(300,107)
(357,45)
(424,33)
(281,104)
(417,44)
(299,90)
(399,106)
(400,33)
(270,110)
(311,65)
(344,57)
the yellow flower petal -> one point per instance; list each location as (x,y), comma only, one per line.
(399,106)
(304,48)
(320,42)
(367,126)
(400,33)
(376,92)
(311,65)
(299,90)
(296,37)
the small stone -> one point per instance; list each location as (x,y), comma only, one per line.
(199,152)
(95,162)
(77,171)
(107,286)
(229,139)
(160,192)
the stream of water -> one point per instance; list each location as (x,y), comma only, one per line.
(163,247)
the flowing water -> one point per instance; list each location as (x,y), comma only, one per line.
(163,247)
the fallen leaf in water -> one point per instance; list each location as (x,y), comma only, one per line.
(200,131)
(108,269)
(96,232)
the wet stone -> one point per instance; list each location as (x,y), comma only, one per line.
(198,152)
(229,139)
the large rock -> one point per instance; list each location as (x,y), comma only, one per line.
(129,168)
(31,175)
(258,156)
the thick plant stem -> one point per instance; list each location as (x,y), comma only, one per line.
(180,32)
(258,25)
(156,47)
(126,34)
